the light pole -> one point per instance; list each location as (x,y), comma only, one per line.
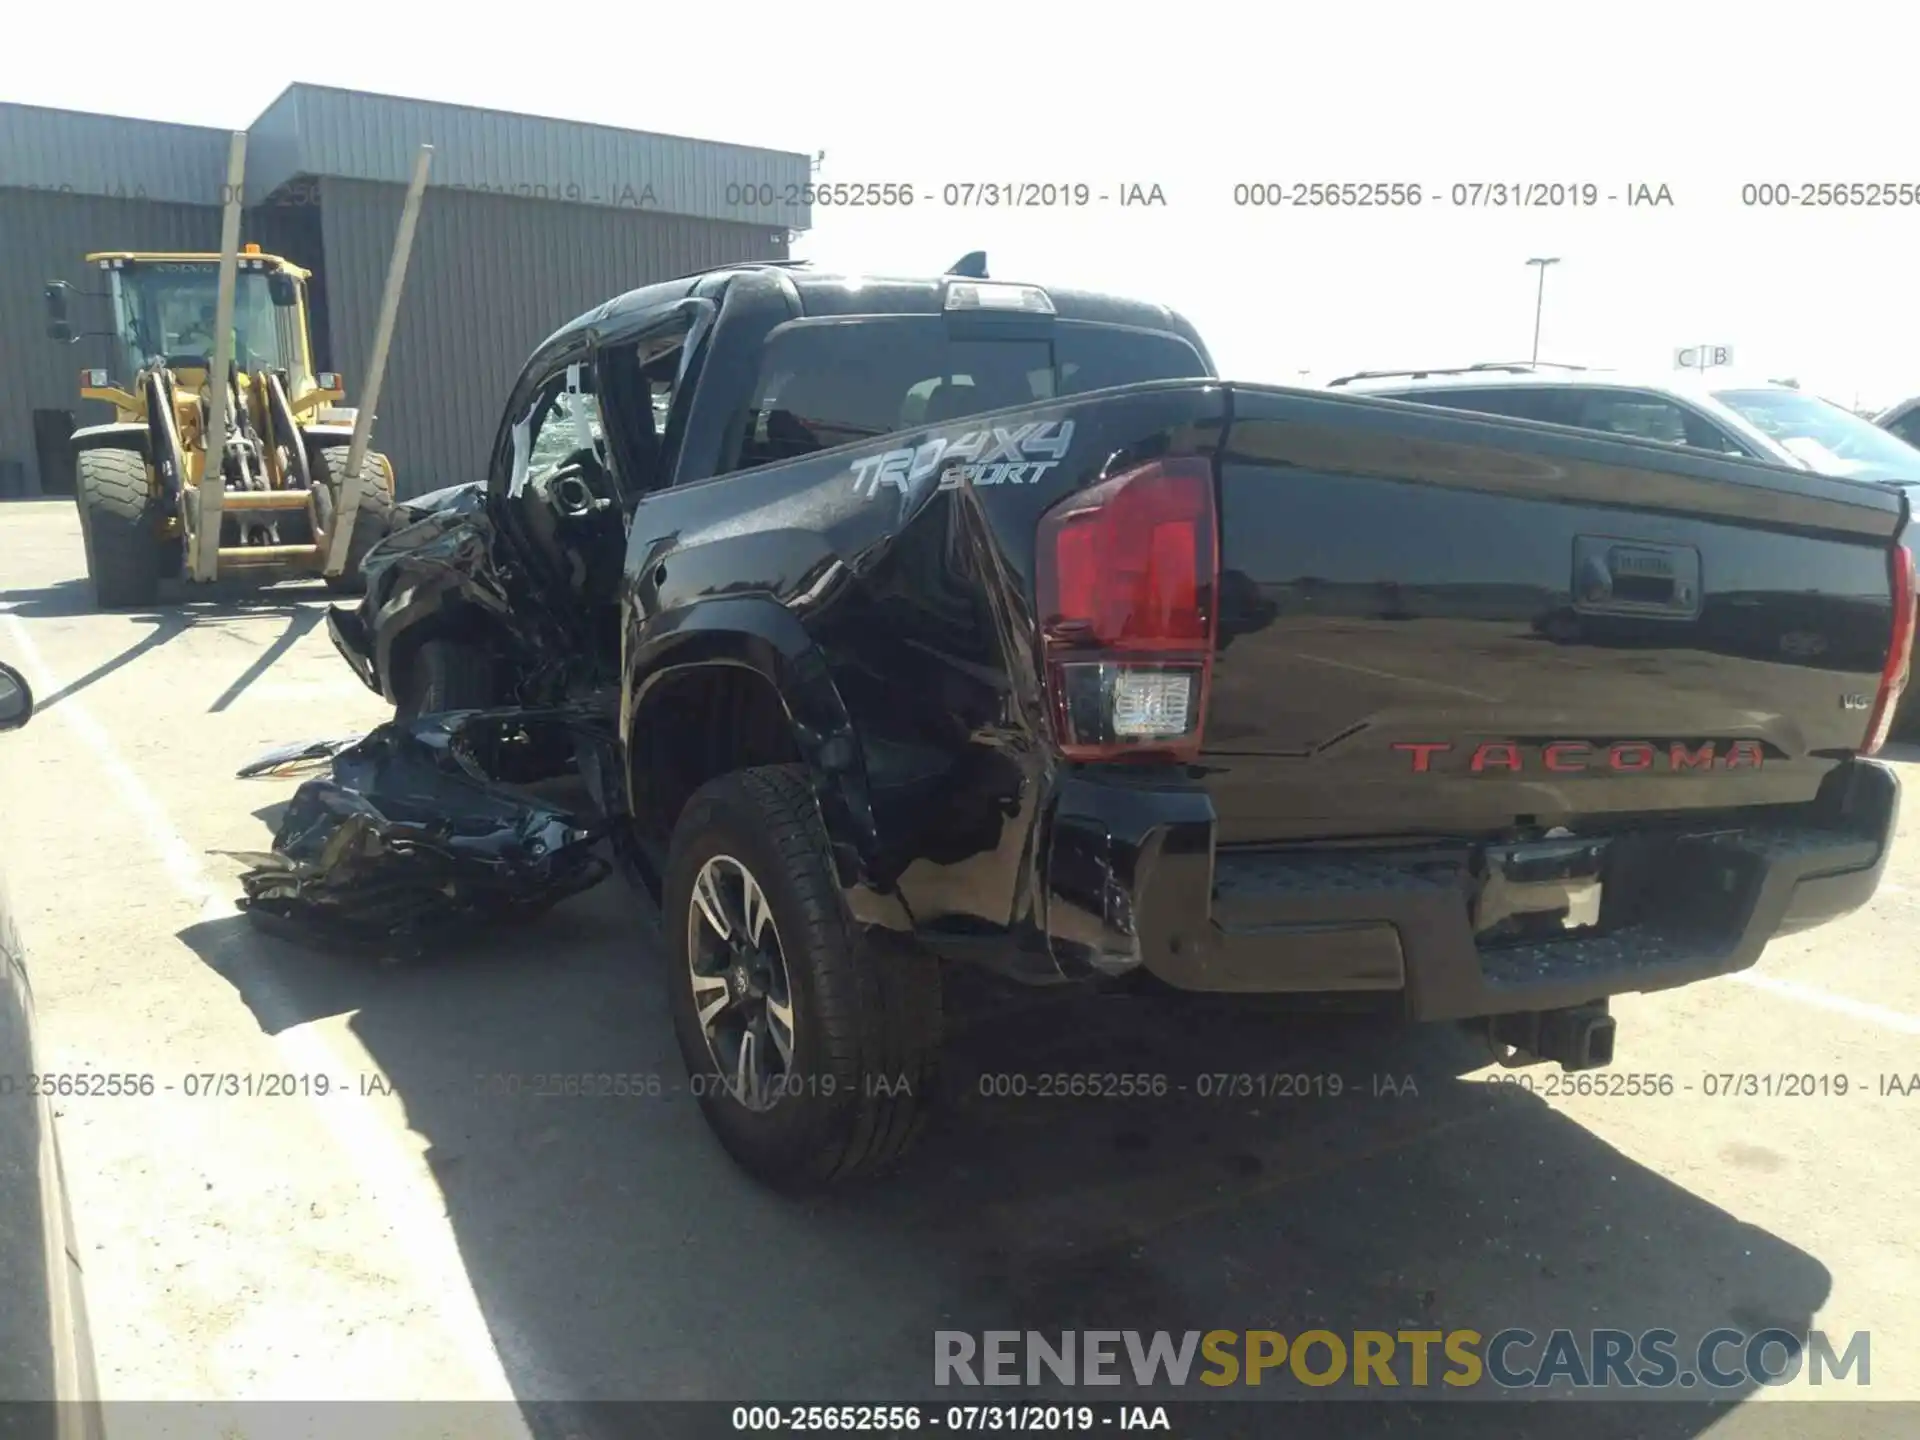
(1539,299)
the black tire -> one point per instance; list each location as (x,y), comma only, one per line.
(375,520)
(446,675)
(865,1032)
(119,525)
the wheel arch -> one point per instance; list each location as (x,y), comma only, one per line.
(328,439)
(435,614)
(748,664)
(120,435)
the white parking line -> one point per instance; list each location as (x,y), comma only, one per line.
(404,1187)
(1840,1004)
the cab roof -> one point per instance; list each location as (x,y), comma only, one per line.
(822,292)
(209,257)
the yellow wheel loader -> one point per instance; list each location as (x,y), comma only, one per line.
(139,479)
(201,345)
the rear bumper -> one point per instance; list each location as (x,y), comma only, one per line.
(1134,881)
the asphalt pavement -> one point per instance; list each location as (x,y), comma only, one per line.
(447,1222)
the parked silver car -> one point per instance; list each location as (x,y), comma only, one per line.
(47,1383)
(1763,420)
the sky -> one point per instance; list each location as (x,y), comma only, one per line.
(1703,99)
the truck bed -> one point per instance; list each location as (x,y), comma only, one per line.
(1410,640)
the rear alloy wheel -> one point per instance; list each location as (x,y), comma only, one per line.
(738,974)
(810,1047)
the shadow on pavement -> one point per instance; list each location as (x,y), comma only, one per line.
(300,622)
(219,604)
(223,598)
(165,628)
(614,1236)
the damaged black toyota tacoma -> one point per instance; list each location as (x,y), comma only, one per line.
(947,619)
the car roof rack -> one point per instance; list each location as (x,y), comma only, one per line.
(1511,367)
(747,265)
(1525,365)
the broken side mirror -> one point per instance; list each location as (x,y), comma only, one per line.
(58,326)
(16,698)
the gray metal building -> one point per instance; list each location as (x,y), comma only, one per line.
(527,222)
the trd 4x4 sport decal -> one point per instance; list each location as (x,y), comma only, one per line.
(999,455)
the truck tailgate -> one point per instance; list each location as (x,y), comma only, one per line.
(1432,623)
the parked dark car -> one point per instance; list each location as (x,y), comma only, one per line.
(948,620)
(47,1383)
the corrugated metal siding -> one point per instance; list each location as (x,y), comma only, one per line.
(42,237)
(67,151)
(314,130)
(489,279)
(273,148)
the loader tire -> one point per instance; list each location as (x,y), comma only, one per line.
(373,522)
(446,675)
(865,1023)
(119,525)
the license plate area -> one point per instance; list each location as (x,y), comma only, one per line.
(1538,890)
(1613,576)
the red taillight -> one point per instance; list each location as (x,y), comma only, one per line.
(1893,675)
(1126,579)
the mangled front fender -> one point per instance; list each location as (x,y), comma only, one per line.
(442,569)
(426,830)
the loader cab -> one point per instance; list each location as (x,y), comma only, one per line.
(161,307)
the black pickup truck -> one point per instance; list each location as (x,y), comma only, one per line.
(955,620)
